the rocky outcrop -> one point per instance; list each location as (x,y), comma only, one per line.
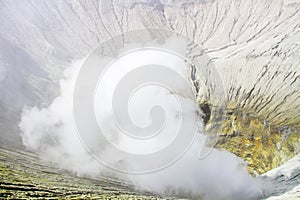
(261,144)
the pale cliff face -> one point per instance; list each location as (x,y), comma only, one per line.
(254,46)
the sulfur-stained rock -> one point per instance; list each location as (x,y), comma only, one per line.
(261,144)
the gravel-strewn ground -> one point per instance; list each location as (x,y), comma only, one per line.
(23,175)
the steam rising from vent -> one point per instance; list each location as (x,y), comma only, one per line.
(159,115)
(2,70)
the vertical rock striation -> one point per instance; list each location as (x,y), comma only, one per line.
(254,46)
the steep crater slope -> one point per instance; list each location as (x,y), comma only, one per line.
(254,46)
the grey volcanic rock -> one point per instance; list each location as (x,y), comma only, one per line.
(254,46)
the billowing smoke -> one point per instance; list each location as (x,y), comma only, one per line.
(2,69)
(52,131)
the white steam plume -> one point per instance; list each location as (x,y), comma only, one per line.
(52,132)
